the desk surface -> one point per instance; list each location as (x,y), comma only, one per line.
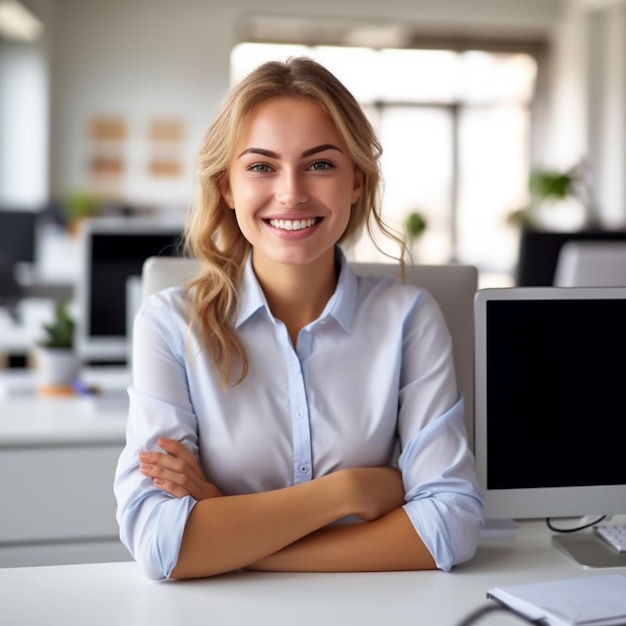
(116,594)
(27,419)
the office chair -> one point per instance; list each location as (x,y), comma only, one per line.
(539,251)
(10,290)
(452,286)
(591,264)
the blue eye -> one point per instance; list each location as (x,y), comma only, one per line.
(320,166)
(260,168)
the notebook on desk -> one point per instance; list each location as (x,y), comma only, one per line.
(588,600)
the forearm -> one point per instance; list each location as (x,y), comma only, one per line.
(386,544)
(230,532)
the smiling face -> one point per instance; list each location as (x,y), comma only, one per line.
(291,183)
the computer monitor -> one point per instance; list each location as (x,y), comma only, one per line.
(550,417)
(17,247)
(17,235)
(113,251)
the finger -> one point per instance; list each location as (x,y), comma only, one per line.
(179,450)
(182,479)
(172,488)
(172,446)
(175,470)
(171,462)
(180,485)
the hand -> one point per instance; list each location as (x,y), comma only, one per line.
(177,472)
(374,491)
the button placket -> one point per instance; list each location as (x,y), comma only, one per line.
(301,431)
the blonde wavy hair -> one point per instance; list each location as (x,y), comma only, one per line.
(212,234)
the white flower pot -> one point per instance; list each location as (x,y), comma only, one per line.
(55,367)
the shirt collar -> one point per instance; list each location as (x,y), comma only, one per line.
(251,296)
(341,306)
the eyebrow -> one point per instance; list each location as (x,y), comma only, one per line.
(274,155)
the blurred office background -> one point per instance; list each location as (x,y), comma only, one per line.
(103,106)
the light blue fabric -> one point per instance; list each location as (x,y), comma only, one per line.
(371,378)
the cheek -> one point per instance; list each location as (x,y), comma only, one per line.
(245,209)
(247,195)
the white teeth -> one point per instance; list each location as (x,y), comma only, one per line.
(293,224)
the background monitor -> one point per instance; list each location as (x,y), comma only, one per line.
(17,235)
(550,412)
(17,246)
(113,252)
(539,252)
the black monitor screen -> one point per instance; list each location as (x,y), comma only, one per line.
(17,236)
(556,414)
(114,258)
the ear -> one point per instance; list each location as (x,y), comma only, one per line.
(224,186)
(358,184)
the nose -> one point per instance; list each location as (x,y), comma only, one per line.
(291,188)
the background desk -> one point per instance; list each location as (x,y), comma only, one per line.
(118,594)
(57,459)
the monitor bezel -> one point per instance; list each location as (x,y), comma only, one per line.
(535,502)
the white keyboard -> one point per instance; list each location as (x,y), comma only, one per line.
(613,533)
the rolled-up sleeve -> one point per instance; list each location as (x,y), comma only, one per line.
(443,500)
(446,509)
(151,521)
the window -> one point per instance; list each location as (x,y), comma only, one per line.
(455,128)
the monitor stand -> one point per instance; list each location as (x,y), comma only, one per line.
(498,529)
(588,550)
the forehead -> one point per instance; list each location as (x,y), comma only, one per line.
(291,119)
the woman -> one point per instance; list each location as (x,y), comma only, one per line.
(271,398)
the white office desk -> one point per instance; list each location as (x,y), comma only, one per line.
(118,594)
(57,459)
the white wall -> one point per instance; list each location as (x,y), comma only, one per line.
(23,125)
(565,143)
(157,57)
(607,108)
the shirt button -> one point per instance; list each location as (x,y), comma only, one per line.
(300,413)
(304,469)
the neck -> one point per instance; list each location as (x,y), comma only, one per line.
(297,294)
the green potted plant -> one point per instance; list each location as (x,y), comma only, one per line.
(414,225)
(551,189)
(79,205)
(56,360)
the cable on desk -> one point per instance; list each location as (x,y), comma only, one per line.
(575,529)
(481,611)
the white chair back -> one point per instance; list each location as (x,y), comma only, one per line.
(591,264)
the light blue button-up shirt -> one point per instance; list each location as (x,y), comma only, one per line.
(369,383)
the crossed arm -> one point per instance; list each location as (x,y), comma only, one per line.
(289,529)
